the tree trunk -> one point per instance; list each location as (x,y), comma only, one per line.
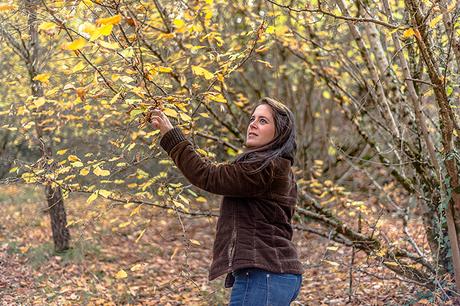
(58,218)
(61,235)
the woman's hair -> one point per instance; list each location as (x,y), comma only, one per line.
(283,144)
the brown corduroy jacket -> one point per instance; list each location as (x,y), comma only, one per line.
(254,226)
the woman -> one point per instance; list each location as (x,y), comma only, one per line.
(253,236)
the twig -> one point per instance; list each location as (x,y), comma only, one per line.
(320,10)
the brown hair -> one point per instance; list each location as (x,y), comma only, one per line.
(282,145)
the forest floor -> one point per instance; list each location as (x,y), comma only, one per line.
(148,256)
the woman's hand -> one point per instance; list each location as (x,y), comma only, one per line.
(160,121)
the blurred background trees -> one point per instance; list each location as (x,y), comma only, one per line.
(373,86)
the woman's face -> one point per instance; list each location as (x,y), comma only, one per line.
(261,128)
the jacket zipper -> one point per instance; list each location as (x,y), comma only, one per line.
(231,249)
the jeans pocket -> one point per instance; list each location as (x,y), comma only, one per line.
(282,288)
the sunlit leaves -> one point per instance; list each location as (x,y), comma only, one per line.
(408,33)
(180,25)
(39,102)
(128,52)
(42,77)
(170,112)
(121,274)
(200,71)
(100,172)
(77,44)
(435,21)
(6,7)
(113,20)
(47,26)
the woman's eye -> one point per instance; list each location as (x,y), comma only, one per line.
(263,120)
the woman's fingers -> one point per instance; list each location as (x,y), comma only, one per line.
(159,120)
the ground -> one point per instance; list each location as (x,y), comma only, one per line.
(149,256)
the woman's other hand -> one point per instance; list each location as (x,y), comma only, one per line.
(160,121)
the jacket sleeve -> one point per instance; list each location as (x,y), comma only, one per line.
(219,178)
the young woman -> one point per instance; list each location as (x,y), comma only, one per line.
(253,236)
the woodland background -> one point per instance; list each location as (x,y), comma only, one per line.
(94,212)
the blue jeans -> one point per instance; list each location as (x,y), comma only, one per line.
(257,287)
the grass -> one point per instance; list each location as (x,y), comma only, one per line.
(39,255)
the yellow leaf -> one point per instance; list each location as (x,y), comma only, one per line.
(109,20)
(202,152)
(164,69)
(91,198)
(61,152)
(381,252)
(115,98)
(332,263)
(24,249)
(218,98)
(6,7)
(270,30)
(78,67)
(87,28)
(128,52)
(88,3)
(196,242)
(435,21)
(408,33)
(121,274)
(166,35)
(106,29)
(76,44)
(195,48)
(39,102)
(265,63)
(197,70)
(46,26)
(170,112)
(262,49)
(185,117)
(107,45)
(140,235)
(331,151)
(124,224)
(136,267)
(100,172)
(77,164)
(201,199)
(29,177)
(104,193)
(73,158)
(391,263)
(84,172)
(135,211)
(179,23)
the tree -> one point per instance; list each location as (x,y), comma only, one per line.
(31,53)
